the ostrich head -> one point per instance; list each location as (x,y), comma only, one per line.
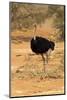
(52,44)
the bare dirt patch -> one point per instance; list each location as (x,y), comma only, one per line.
(27,78)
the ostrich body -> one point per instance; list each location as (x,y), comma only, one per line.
(40,45)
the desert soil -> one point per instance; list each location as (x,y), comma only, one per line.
(27,76)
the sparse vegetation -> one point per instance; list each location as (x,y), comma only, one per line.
(23,16)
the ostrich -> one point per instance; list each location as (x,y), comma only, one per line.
(40,45)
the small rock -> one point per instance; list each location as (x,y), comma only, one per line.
(18,55)
(41,78)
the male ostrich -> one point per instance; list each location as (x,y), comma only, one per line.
(40,45)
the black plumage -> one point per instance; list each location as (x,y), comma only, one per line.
(41,45)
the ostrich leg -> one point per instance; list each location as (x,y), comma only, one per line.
(46,58)
(47,55)
(43,61)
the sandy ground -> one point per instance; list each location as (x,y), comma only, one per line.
(27,77)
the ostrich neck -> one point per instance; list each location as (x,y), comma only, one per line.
(35,33)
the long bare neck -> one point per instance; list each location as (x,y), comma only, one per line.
(35,27)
